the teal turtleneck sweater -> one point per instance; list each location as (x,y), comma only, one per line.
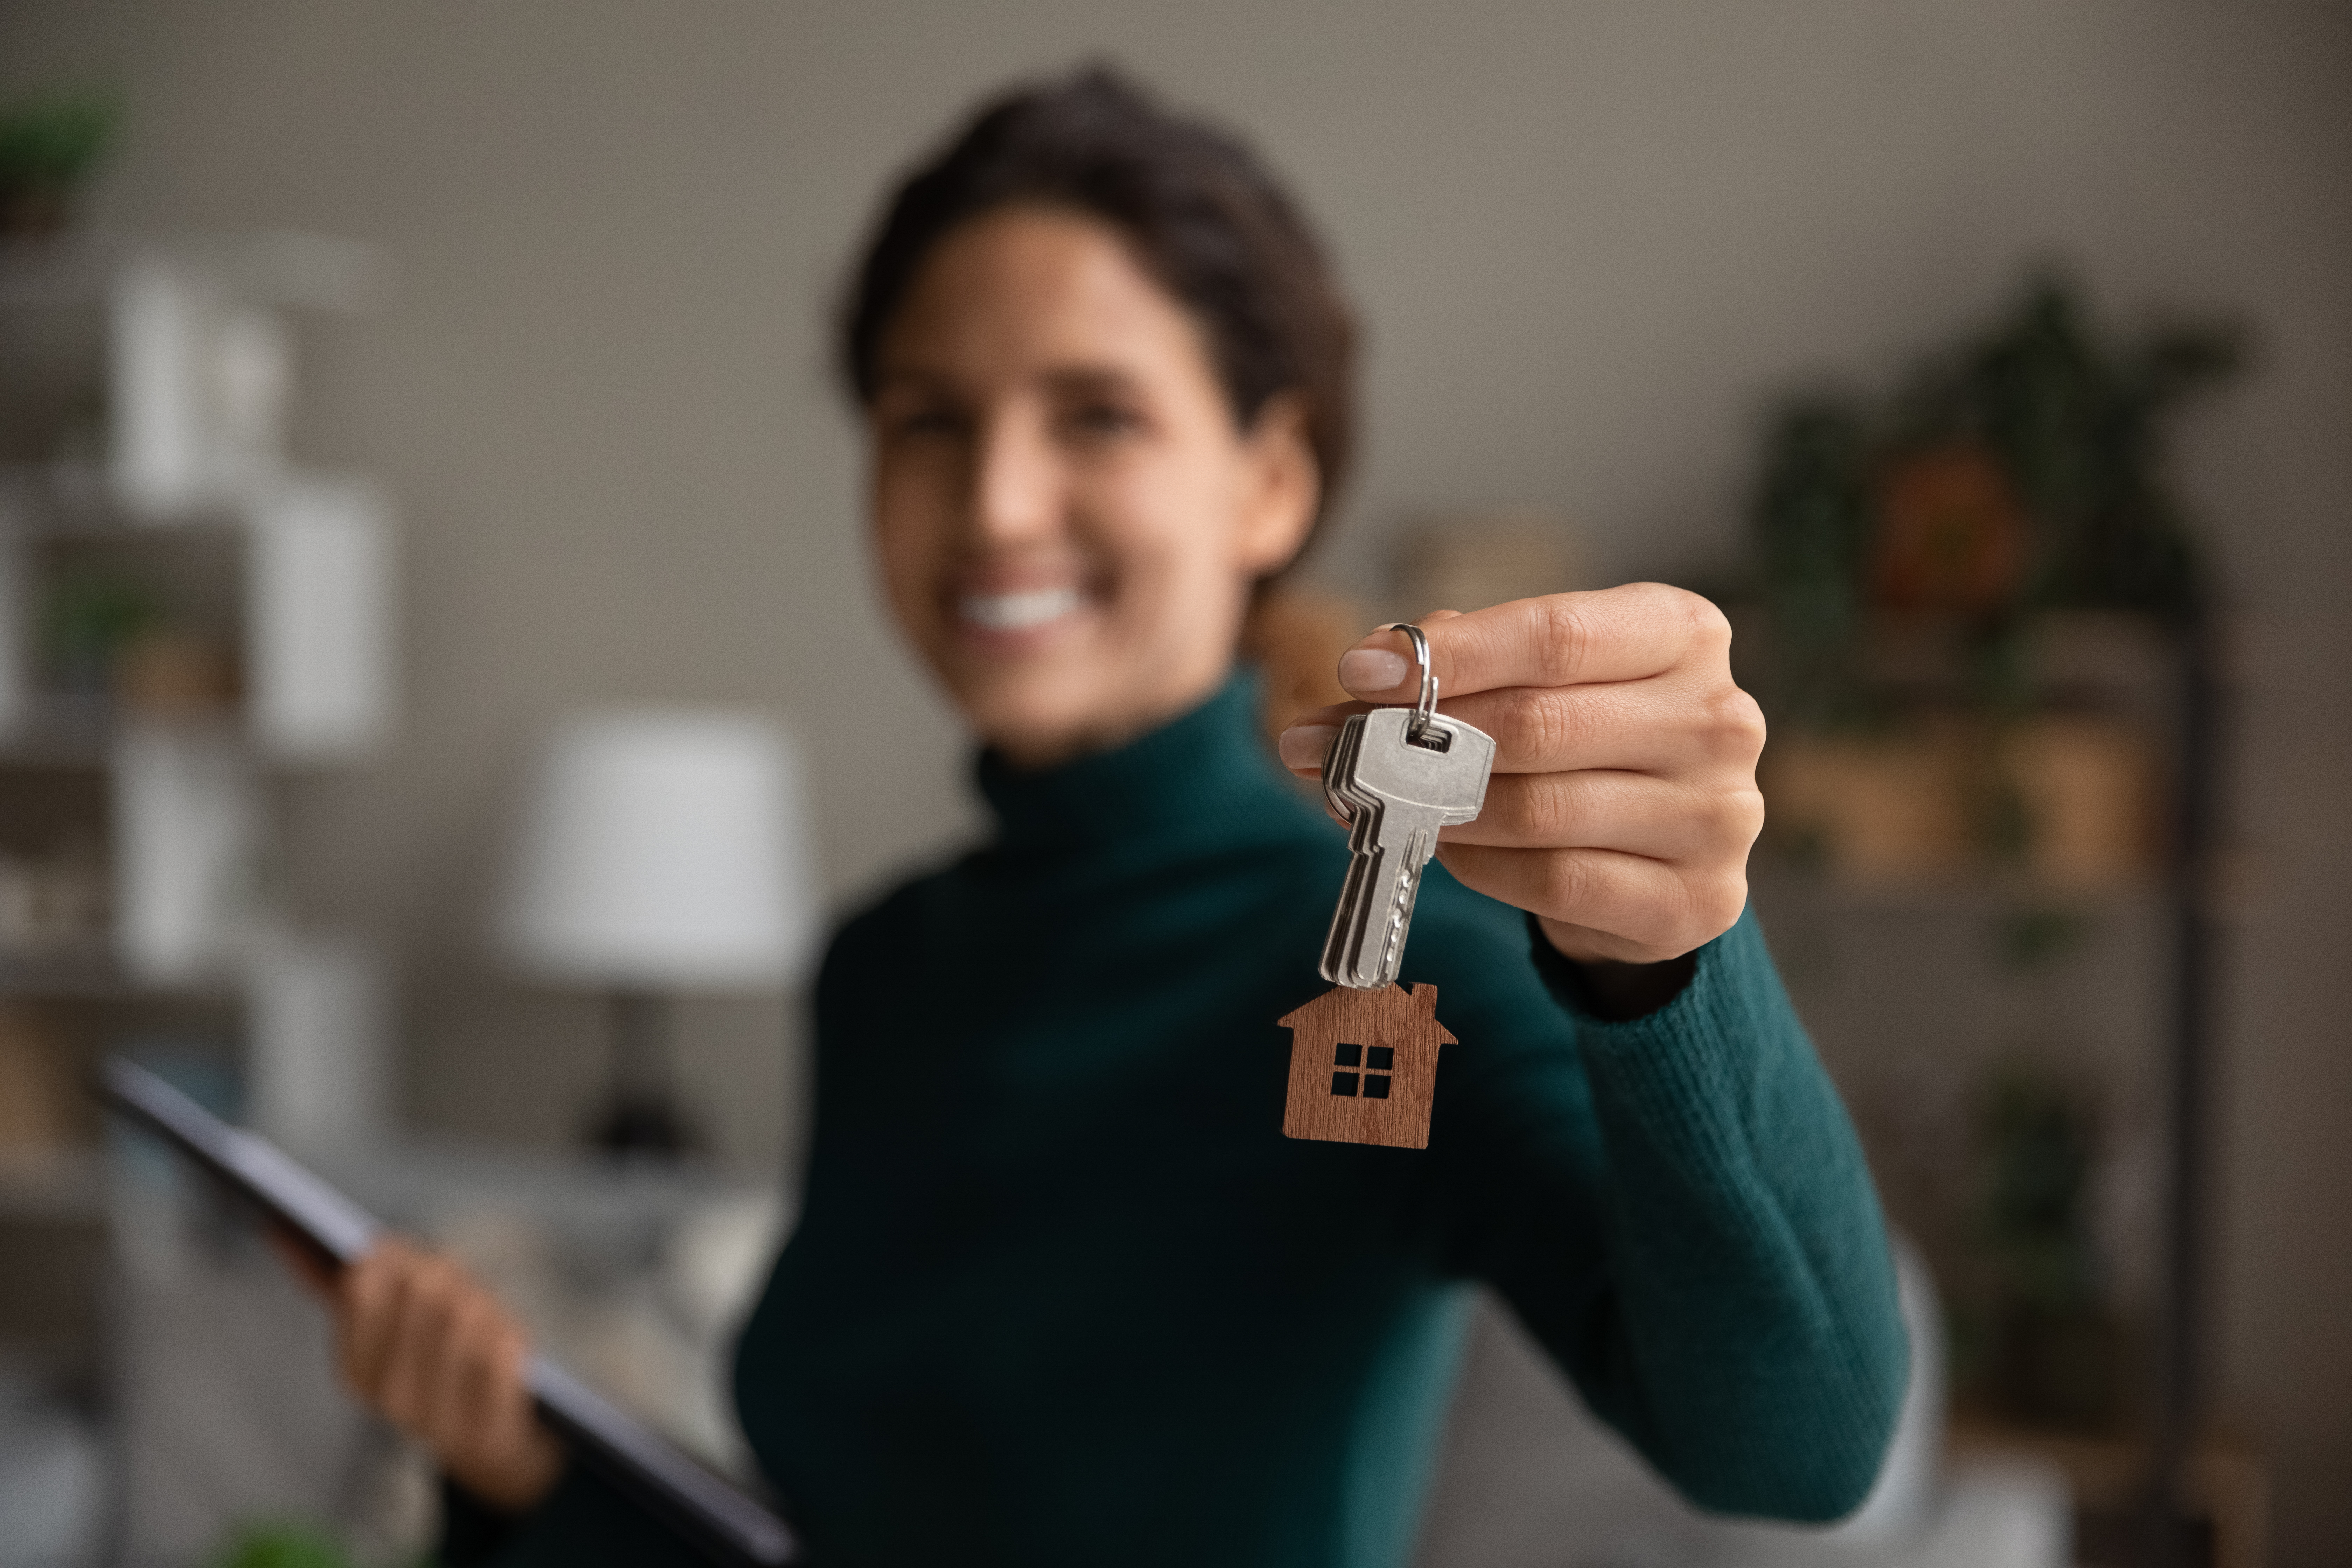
(1062,1292)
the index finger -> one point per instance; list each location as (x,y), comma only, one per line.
(1631,633)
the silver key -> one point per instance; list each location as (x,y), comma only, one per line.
(1395,776)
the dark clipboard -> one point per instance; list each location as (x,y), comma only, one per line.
(721,1522)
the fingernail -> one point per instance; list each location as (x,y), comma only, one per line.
(1370,669)
(1303,745)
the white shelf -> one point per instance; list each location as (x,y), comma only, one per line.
(152,510)
(284,267)
(98,977)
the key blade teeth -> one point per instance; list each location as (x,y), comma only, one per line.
(1395,796)
(1404,891)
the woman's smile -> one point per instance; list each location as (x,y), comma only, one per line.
(1018,610)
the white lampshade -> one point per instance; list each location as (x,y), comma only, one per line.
(664,849)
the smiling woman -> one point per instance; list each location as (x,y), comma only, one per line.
(1069,510)
(1062,1290)
(1107,373)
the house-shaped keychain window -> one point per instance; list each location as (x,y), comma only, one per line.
(1363,1066)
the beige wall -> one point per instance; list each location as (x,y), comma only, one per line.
(1588,238)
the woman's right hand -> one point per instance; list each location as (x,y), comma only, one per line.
(433,1352)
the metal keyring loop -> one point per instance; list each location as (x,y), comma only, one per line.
(1426,708)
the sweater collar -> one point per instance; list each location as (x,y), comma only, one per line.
(1191,779)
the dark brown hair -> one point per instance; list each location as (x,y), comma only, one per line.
(1202,214)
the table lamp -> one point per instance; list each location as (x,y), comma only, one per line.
(661,851)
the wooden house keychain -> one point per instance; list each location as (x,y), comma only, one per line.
(1363,1055)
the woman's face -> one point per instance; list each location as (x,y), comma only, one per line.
(1069,520)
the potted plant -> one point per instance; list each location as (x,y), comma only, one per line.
(50,147)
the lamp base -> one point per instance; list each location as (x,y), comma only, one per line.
(635,1128)
(640,1120)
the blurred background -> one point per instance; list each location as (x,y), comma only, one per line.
(420,453)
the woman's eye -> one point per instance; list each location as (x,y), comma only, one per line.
(1103,419)
(929,423)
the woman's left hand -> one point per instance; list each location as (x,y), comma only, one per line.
(1623,800)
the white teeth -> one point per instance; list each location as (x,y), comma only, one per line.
(1018,612)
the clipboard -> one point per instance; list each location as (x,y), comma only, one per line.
(722,1523)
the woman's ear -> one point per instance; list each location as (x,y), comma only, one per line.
(1282,487)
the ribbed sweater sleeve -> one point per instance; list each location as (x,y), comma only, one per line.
(1718,1283)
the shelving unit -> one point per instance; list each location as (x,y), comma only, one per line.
(2123,1010)
(188,616)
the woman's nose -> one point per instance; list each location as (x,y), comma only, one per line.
(1016,483)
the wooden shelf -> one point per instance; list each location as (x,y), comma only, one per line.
(1985,891)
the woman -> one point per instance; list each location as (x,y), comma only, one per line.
(1061,1291)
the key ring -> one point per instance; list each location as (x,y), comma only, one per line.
(1426,708)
